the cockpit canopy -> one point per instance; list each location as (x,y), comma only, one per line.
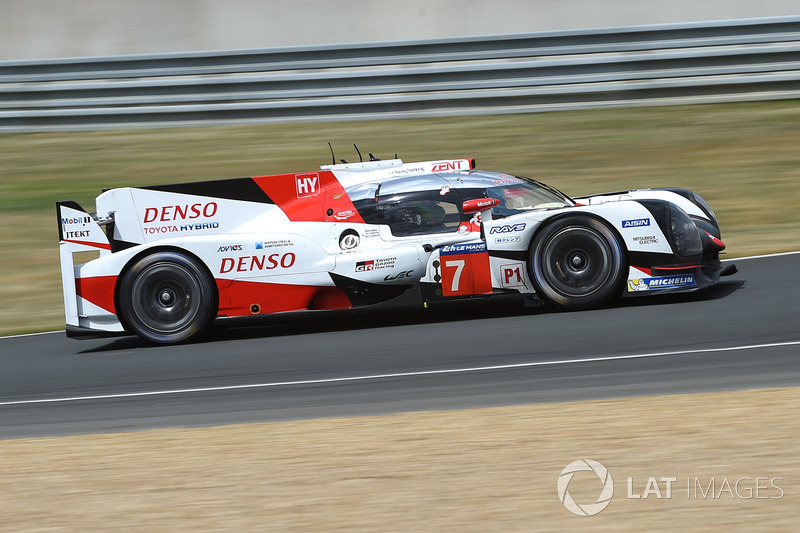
(432,203)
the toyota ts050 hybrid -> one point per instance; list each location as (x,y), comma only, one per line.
(165,262)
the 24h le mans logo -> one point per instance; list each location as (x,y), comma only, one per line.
(587,509)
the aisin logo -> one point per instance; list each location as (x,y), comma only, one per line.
(603,500)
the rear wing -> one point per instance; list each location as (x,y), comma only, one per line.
(80,239)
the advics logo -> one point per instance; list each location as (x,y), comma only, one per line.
(603,500)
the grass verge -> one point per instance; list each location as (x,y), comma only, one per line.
(492,469)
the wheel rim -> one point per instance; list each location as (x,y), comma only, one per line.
(577,261)
(166,297)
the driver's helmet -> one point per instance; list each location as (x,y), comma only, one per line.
(420,215)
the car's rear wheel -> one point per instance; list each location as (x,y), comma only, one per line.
(577,263)
(167,297)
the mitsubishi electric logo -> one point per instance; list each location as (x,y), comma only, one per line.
(585,509)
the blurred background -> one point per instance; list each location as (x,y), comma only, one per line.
(37,29)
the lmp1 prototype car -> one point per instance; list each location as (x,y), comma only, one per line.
(165,262)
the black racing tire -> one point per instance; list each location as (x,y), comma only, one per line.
(577,262)
(167,298)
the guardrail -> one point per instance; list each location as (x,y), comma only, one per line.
(753,59)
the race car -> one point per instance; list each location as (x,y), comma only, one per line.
(166,262)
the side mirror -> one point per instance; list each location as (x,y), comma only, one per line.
(478,205)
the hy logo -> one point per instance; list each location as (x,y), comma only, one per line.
(307,184)
(587,509)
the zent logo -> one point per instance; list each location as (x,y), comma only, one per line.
(307,184)
(444,167)
(639,222)
(587,509)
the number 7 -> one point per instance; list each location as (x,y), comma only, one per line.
(459,265)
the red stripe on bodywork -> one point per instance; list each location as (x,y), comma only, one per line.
(310,197)
(648,271)
(98,290)
(103,245)
(244,298)
(689,267)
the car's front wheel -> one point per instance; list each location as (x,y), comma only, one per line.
(167,297)
(577,263)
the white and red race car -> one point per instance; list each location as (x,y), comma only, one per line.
(165,262)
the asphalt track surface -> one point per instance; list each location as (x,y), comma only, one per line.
(744,333)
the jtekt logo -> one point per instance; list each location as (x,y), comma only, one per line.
(587,509)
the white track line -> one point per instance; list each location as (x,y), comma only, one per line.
(732,259)
(760,256)
(31,334)
(396,375)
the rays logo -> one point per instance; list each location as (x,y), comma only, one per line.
(508,229)
(587,509)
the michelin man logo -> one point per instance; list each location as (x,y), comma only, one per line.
(637,285)
(588,509)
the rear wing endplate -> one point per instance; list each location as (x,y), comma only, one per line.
(80,240)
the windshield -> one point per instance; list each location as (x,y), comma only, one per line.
(524,194)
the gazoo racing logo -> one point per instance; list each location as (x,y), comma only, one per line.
(508,228)
(307,184)
(250,263)
(175,213)
(636,223)
(375,264)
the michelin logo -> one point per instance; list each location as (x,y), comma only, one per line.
(666,282)
(636,223)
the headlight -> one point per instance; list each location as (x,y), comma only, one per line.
(684,234)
